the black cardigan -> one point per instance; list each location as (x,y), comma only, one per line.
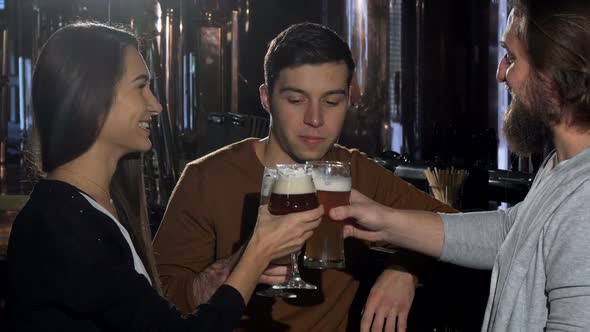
(71,269)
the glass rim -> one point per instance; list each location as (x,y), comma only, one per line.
(287,165)
(328,162)
(269,170)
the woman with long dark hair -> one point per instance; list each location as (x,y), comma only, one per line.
(80,255)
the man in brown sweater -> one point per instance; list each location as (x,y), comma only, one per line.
(308,70)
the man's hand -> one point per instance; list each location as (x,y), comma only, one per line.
(365,219)
(390,299)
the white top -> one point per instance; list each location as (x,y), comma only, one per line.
(137,263)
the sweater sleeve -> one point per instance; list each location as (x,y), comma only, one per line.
(386,188)
(567,264)
(473,239)
(90,276)
(185,242)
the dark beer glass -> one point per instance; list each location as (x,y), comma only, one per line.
(333,182)
(268,179)
(293,191)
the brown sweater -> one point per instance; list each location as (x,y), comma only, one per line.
(213,210)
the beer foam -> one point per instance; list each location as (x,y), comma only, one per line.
(300,184)
(292,170)
(332,182)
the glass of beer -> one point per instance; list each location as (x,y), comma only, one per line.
(293,191)
(268,179)
(325,249)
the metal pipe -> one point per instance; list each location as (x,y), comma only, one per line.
(234,61)
(419,120)
(4,96)
(367,33)
(161,169)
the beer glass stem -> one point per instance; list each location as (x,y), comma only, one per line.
(294,266)
(294,281)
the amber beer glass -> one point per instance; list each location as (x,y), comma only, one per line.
(293,191)
(325,249)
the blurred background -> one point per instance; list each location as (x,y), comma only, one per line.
(424,92)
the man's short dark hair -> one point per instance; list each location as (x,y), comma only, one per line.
(303,44)
(556,35)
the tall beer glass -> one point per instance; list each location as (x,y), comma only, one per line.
(325,249)
(292,192)
(268,179)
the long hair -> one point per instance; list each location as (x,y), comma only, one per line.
(556,35)
(74,84)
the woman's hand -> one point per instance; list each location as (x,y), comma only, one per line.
(278,236)
(368,219)
(273,237)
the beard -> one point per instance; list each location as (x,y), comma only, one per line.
(527,125)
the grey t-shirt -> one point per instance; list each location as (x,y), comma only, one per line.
(539,251)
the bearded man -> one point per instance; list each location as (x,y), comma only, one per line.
(538,249)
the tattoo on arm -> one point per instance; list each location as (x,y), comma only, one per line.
(206,282)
